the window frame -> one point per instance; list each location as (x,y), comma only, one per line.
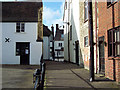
(86,12)
(59,44)
(111,2)
(113,42)
(21,26)
(86,41)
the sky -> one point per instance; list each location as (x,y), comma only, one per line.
(53,13)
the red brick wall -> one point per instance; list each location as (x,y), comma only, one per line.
(106,23)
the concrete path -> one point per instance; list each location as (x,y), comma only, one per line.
(18,76)
(66,76)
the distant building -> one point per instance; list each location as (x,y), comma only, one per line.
(47,37)
(22,32)
(59,43)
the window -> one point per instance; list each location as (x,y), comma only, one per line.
(71,32)
(60,44)
(110,2)
(114,42)
(62,36)
(86,41)
(86,10)
(20,27)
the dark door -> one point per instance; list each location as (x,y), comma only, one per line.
(101,55)
(77,51)
(24,52)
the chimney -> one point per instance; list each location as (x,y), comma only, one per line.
(57,27)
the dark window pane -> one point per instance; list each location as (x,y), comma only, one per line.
(118,50)
(18,24)
(86,10)
(22,27)
(110,49)
(18,30)
(110,36)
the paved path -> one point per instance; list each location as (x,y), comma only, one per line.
(18,76)
(66,76)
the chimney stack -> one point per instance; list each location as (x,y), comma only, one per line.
(57,27)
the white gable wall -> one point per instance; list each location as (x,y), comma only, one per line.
(56,46)
(9,48)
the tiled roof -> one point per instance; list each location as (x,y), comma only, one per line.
(59,32)
(46,31)
(20,11)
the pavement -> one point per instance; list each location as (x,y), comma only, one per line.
(67,76)
(18,77)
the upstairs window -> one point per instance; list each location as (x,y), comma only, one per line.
(86,10)
(114,42)
(62,36)
(60,44)
(20,27)
(86,41)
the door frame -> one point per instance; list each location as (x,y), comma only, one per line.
(27,55)
(101,39)
(77,52)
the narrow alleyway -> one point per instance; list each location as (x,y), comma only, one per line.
(64,76)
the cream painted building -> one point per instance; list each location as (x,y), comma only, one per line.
(71,31)
(76,33)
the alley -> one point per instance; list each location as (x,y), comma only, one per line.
(63,75)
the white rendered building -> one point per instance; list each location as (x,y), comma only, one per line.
(21,40)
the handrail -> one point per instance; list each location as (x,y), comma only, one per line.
(38,76)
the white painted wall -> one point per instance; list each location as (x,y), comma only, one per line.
(71,15)
(9,48)
(66,33)
(74,21)
(56,46)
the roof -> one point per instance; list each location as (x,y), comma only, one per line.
(20,11)
(46,31)
(58,34)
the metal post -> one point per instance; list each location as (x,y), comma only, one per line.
(53,54)
(91,41)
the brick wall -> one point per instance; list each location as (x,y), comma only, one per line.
(105,23)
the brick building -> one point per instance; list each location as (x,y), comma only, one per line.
(109,39)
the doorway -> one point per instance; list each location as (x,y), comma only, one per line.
(101,56)
(23,50)
(77,51)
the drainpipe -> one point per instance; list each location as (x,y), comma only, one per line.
(96,32)
(91,41)
(68,31)
(113,24)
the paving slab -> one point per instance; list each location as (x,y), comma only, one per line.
(67,76)
(16,76)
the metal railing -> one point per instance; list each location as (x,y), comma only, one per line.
(38,76)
